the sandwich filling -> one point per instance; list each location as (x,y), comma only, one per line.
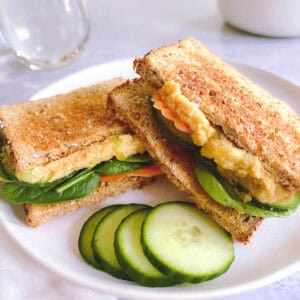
(235,164)
(78,174)
(120,146)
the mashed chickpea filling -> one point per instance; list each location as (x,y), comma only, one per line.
(234,163)
(120,146)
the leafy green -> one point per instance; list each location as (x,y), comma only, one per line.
(44,185)
(145,157)
(14,193)
(82,188)
(113,166)
(82,175)
(222,191)
(74,186)
(285,204)
(3,176)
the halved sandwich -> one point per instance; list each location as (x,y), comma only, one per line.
(219,137)
(68,151)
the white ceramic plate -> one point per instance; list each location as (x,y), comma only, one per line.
(273,253)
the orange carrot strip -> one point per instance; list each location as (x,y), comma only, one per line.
(112,178)
(171,115)
(182,126)
(178,123)
(159,105)
(149,171)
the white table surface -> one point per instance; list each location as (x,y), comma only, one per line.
(122,29)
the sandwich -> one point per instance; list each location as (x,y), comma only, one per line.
(66,152)
(231,146)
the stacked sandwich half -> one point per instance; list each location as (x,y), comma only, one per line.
(231,146)
(66,152)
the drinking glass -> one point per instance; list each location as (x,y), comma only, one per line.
(44,33)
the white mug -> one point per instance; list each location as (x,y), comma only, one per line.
(276,18)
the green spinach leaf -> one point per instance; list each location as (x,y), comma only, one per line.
(3,176)
(44,185)
(81,188)
(74,186)
(14,193)
(74,180)
(113,166)
(145,157)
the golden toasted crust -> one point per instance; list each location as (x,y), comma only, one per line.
(248,115)
(44,130)
(132,103)
(37,215)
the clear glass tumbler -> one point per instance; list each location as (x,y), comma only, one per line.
(44,33)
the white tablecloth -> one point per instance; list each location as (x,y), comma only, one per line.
(21,277)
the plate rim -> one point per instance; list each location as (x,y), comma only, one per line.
(144,292)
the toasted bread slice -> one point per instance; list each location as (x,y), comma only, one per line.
(37,215)
(48,129)
(249,116)
(133,106)
(45,130)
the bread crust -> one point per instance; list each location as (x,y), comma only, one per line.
(249,116)
(39,214)
(44,130)
(48,129)
(132,103)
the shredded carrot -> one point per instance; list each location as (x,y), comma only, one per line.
(149,171)
(160,105)
(171,115)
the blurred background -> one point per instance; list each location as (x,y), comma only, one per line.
(125,29)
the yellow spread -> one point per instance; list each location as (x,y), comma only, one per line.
(120,147)
(245,168)
(188,112)
(233,163)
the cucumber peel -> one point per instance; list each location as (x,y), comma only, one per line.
(103,239)
(130,253)
(171,132)
(171,243)
(185,244)
(86,235)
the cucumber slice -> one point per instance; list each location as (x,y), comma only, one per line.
(171,132)
(103,239)
(130,253)
(86,235)
(222,192)
(182,242)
